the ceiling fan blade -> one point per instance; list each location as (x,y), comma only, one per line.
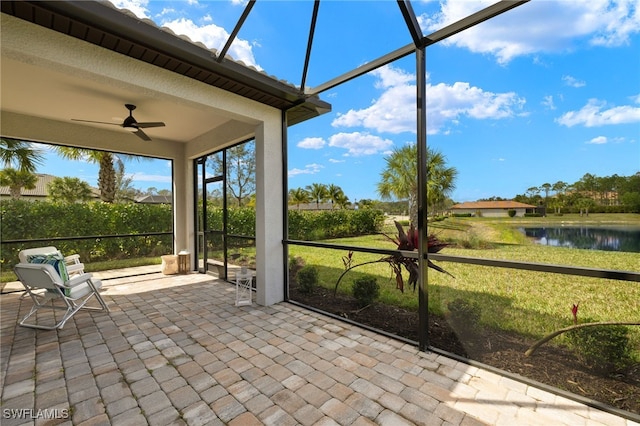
(98,122)
(142,135)
(150,124)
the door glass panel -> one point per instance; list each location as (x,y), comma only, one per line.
(226,210)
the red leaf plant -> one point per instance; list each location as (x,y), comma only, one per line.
(405,241)
(574,311)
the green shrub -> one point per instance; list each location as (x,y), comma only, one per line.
(307,279)
(322,224)
(40,220)
(511,212)
(604,348)
(366,290)
(295,264)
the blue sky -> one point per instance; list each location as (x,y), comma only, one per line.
(546,92)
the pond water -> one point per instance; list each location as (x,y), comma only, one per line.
(612,238)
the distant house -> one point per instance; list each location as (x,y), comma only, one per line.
(40,192)
(314,206)
(154,199)
(492,208)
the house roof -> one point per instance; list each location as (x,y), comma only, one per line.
(41,189)
(119,30)
(155,199)
(493,205)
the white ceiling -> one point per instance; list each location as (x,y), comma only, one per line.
(40,92)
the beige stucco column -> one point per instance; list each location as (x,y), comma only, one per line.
(183,204)
(269,213)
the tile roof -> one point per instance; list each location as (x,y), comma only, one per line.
(41,189)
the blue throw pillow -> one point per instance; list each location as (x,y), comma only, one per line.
(54,259)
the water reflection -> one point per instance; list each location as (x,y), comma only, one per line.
(587,237)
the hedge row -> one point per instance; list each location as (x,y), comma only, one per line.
(319,225)
(23,220)
(40,220)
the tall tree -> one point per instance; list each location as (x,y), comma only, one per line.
(317,192)
(559,188)
(107,171)
(20,162)
(125,192)
(16,180)
(299,196)
(399,179)
(20,155)
(240,171)
(69,190)
(336,195)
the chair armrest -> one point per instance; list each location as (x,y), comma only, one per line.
(79,279)
(75,267)
(72,258)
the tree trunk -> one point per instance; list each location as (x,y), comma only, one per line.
(107,178)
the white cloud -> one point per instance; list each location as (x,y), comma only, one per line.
(595,113)
(335,161)
(391,77)
(144,177)
(211,35)
(138,7)
(548,102)
(311,143)
(572,81)
(214,37)
(599,140)
(395,110)
(358,144)
(309,169)
(539,26)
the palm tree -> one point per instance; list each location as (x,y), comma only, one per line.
(20,163)
(16,180)
(343,201)
(107,176)
(19,155)
(299,196)
(559,187)
(69,190)
(317,192)
(400,178)
(440,179)
(336,195)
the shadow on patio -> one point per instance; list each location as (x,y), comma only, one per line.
(176,350)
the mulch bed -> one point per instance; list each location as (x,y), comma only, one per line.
(551,365)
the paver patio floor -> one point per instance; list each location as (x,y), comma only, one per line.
(176,350)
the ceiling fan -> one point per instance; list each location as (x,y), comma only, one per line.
(131,124)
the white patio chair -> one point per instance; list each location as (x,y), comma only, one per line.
(74,293)
(73,264)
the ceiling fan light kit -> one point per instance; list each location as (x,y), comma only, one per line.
(131,124)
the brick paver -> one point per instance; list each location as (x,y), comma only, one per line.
(176,350)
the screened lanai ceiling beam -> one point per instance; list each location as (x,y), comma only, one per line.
(410,19)
(473,19)
(448,31)
(235,31)
(312,30)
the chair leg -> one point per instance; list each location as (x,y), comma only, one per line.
(38,305)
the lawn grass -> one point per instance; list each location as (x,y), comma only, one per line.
(530,303)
